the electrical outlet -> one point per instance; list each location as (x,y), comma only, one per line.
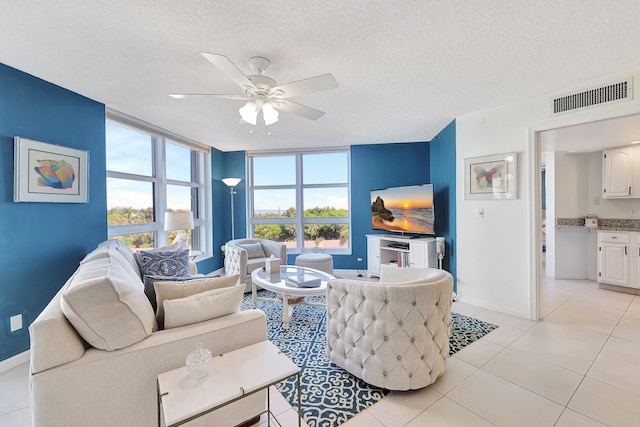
(480,213)
(15,323)
(596,200)
(634,212)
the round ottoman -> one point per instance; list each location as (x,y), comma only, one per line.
(322,262)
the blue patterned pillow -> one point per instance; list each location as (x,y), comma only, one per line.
(164,264)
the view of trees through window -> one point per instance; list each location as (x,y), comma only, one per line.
(138,195)
(317,183)
(125,216)
(314,234)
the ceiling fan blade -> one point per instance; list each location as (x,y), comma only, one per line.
(206,95)
(298,109)
(227,67)
(302,87)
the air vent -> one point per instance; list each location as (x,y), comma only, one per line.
(604,95)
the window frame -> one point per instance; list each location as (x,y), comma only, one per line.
(200,164)
(300,220)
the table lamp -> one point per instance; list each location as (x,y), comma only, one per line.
(179,221)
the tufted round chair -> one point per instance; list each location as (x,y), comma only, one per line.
(391,335)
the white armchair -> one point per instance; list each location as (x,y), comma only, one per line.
(238,260)
(393,334)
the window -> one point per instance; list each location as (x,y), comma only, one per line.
(148,175)
(301,199)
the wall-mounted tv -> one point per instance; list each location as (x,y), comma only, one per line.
(407,210)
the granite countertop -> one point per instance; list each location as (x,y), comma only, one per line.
(619,224)
(611,224)
(570,222)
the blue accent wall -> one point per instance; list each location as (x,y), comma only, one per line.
(373,167)
(235,167)
(443,177)
(43,242)
(226,165)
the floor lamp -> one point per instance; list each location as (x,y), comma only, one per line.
(231,183)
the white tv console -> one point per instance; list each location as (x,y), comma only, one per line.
(384,249)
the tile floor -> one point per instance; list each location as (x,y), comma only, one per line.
(580,366)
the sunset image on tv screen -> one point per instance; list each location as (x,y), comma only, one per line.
(403,209)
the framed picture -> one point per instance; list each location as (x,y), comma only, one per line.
(491,177)
(49,173)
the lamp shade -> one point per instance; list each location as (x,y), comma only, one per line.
(231,182)
(269,114)
(178,221)
(249,112)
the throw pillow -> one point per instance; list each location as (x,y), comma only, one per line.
(170,290)
(106,307)
(164,263)
(167,265)
(150,289)
(254,250)
(203,306)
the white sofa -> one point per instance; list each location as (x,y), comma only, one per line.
(393,334)
(73,383)
(238,260)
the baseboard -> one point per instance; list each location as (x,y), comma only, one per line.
(346,271)
(216,273)
(460,297)
(14,361)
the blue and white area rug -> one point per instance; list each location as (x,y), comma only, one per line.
(331,395)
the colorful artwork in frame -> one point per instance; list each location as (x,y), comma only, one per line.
(49,173)
(491,177)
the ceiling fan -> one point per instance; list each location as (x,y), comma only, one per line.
(263,93)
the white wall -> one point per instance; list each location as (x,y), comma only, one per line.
(571,184)
(550,215)
(497,257)
(572,188)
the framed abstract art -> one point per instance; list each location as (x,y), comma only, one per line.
(49,173)
(491,177)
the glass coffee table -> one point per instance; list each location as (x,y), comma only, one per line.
(288,294)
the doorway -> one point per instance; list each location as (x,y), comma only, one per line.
(589,137)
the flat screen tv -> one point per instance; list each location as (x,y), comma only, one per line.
(407,210)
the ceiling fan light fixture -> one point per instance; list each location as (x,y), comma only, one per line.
(269,114)
(263,93)
(249,112)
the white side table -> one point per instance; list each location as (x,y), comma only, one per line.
(231,377)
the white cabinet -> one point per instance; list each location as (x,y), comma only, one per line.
(398,251)
(373,255)
(418,255)
(617,173)
(619,258)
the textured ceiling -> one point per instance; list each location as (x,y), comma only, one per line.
(405,68)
